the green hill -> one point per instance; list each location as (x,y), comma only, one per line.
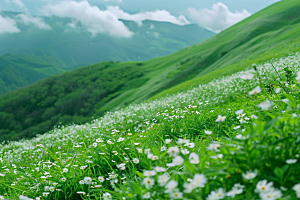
(66,50)
(18,70)
(87,92)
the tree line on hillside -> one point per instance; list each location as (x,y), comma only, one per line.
(73,97)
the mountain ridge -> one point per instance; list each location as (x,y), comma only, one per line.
(65,51)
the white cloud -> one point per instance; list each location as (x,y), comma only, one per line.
(218,18)
(95,20)
(30,20)
(19,3)
(158,15)
(8,25)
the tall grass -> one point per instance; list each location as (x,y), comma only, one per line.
(215,141)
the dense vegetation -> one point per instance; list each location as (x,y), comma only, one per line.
(230,51)
(58,50)
(236,138)
(73,97)
(20,70)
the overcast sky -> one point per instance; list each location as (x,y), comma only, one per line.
(103,15)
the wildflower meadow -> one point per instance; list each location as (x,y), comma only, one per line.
(237,137)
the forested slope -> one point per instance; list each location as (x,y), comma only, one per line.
(72,97)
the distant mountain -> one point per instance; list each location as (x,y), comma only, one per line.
(67,49)
(88,92)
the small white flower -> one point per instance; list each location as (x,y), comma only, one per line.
(271,194)
(45,194)
(190,145)
(263,186)
(207,132)
(277,90)
(148,182)
(184,151)
(160,169)
(99,140)
(87,180)
(51,189)
(249,175)
(253,116)
(220,118)
(121,165)
(136,160)
(154,157)
(107,196)
(65,170)
(149,173)
(194,158)
(189,187)
(296,187)
(170,186)
(183,141)
(101,179)
(178,160)
(239,112)
(147,151)
(234,191)
(255,90)
(163,148)
(163,179)
(81,182)
(291,161)
(214,146)
(217,194)
(150,155)
(199,180)
(173,151)
(147,195)
(265,105)
(168,141)
(176,194)
(247,76)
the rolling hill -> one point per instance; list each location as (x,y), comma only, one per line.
(65,49)
(88,92)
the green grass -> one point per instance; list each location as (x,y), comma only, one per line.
(106,150)
(270,33)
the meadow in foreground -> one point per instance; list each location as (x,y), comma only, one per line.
(236,137)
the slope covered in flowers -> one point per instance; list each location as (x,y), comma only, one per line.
(236,137)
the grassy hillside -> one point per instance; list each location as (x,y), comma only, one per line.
(272,32)
(209,143)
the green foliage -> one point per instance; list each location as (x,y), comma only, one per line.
(74,97)
(120,152)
